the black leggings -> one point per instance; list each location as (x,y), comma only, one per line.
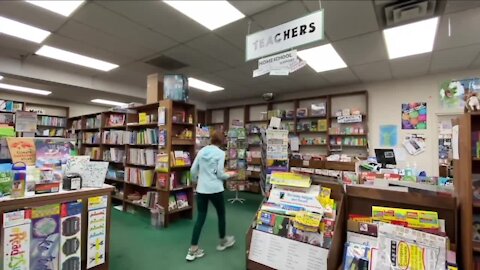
(202,208)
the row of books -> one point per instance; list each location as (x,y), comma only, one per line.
(10,106)
(52,121)
(94,122)
(139,176)
(144,118)
(320,125)
(174,180)
(178,200)
(51,132)
(116,137)
(147,136)
(76,124)
(93,152)
(142,156)
(114,155)
(91,137)
(115,173)
(150,199)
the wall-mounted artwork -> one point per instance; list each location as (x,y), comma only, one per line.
(414,115)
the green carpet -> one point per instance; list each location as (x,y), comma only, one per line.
(134,244)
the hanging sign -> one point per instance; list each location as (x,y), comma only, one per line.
(294,33)
(280,64)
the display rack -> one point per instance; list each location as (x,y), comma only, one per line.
(177,122)
(237,160)
(466,175)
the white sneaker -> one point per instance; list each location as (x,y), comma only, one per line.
(192,255)
(226,242)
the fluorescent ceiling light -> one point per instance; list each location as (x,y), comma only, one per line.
(24,89)
(1,77)
(23,31)
(64,8)
(211,14)
(322,58)
(109,102)
(203,85)
(411,39)
(75,58)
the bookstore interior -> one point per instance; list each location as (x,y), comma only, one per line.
(326,134)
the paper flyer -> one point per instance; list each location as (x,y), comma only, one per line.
(408,249)
(22,150)
(71,235)
(94,175)
(97,229)
(16,241)
(388,135)
(25,121)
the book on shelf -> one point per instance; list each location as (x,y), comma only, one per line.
(180,179)
(172,203)
(114,173)
(115,120)
(150,199)
(91,137)
(147,136)
(93,152)
(10,106)
(182,199)
(163,180)
(93,122)
(180,158)
(115,137)
(7,118)
(144,118)
(162,162)
(50,132)
(76,124)
(56,121)
(114,155)
(476,228)
(139,176)
(142,156)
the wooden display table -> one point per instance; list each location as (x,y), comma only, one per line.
(31,200)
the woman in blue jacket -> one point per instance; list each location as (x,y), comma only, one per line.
(208,168)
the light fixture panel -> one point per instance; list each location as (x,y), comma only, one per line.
(24,31)
(322,58)
(63,7)
(204,86)
(23,89)
(109,102)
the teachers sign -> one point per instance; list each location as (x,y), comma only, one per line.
(285,36)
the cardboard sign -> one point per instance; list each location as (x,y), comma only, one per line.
(22,150)
(294,33)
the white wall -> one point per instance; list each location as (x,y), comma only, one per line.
(75,108)
(385,100)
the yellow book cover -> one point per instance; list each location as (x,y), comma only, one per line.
(414,218)
(322,125)
(142,118)
(22,150)
(290,179)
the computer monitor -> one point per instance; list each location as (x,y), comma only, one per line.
(385,157)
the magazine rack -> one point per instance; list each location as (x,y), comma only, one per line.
(335,253)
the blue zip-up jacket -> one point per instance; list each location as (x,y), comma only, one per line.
(208,168)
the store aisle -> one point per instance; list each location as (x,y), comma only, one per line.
(136,245)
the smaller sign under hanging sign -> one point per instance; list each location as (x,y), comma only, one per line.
(280,64)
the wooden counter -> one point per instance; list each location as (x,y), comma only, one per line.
(8,204)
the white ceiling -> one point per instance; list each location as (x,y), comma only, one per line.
(130,32)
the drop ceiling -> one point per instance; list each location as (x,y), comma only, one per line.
(129,33)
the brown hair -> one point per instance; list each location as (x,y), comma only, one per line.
(217,138)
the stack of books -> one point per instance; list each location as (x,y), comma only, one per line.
(91,137)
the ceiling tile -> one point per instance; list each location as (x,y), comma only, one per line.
(249,7)
(459,5)
(95,38)
(159,17)
(476,63)
(410,66)
(27,13)
(236,32)
(104,20)
(340,76)
(218,48)
(280,14)
(195,59)
(373,71)
(362,49)
(80,47)
(454,59)
(463,25)
(17,45)
(345,19)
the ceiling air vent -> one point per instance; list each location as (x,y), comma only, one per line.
(166,63)
(397,12)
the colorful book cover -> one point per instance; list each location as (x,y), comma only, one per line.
(71,233)
(97,229)
(182,199)
(476,228)
(162,180)
(16,241)
(22,150)
(52,152)
(172,203)
(45,237)
(116,120)
(142,118)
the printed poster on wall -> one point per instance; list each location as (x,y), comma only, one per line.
(22,150)
(414,115)
(388,135)
(453,92)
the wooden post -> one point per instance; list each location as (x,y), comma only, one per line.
(154,88)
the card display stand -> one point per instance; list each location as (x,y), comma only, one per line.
(39,201)
(333,256)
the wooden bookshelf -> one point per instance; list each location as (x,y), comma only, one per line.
(173,142)
(464,168)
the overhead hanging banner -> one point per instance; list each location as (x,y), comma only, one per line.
(294,33)
(280,64)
